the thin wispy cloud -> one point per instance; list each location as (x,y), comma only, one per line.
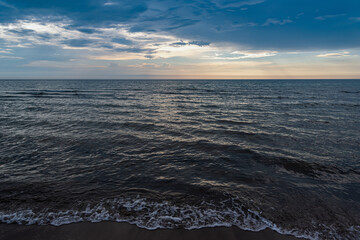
(9,57)
(355,19)
(325,17)
(5,4)
(239,55)
(237,4)
(339,54)
(274,21)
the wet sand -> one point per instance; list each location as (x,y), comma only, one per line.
(119,231)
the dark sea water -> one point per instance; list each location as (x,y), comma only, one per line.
(282,154)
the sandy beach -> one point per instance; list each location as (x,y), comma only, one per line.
(113,230)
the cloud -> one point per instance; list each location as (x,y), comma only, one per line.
(340,54)
(212,21)
(61,64)
(180,23)
(179,44)
(197,43)
(4,4)
(87,30)
(78,42)
(9,57)
(116,38)
(151,65)
(8,54)
(299,28)
(223,34)
(260,54)
(80,11)
(123,41)
(7,51)
(355,19)
(325,17)
(237,4)
(238,55)
(133,50)
(274,21)
(110,3)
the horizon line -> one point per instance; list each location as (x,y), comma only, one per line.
(177,79)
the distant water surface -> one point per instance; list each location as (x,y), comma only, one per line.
(167,154)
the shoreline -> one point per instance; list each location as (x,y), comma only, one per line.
(115,230)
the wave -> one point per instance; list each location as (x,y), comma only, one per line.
(350,91)
(154,215)
(165,215)
(307,168)
(310,169)
(101,94)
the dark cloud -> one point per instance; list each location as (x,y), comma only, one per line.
(179,44)
(82,12)
(122,41)
(274,24)
(141,28)
(279,24)
(87,30)
(197,43)
(78,42)
(105,45)
(180,24)
(22,32)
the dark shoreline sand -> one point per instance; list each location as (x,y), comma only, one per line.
(113,230)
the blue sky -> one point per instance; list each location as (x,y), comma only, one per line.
(115,39)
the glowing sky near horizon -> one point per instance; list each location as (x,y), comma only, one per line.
(179,39)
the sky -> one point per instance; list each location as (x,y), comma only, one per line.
(179,39)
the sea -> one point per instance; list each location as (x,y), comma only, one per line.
(189,154)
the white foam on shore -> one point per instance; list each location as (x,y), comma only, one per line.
(154,215)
